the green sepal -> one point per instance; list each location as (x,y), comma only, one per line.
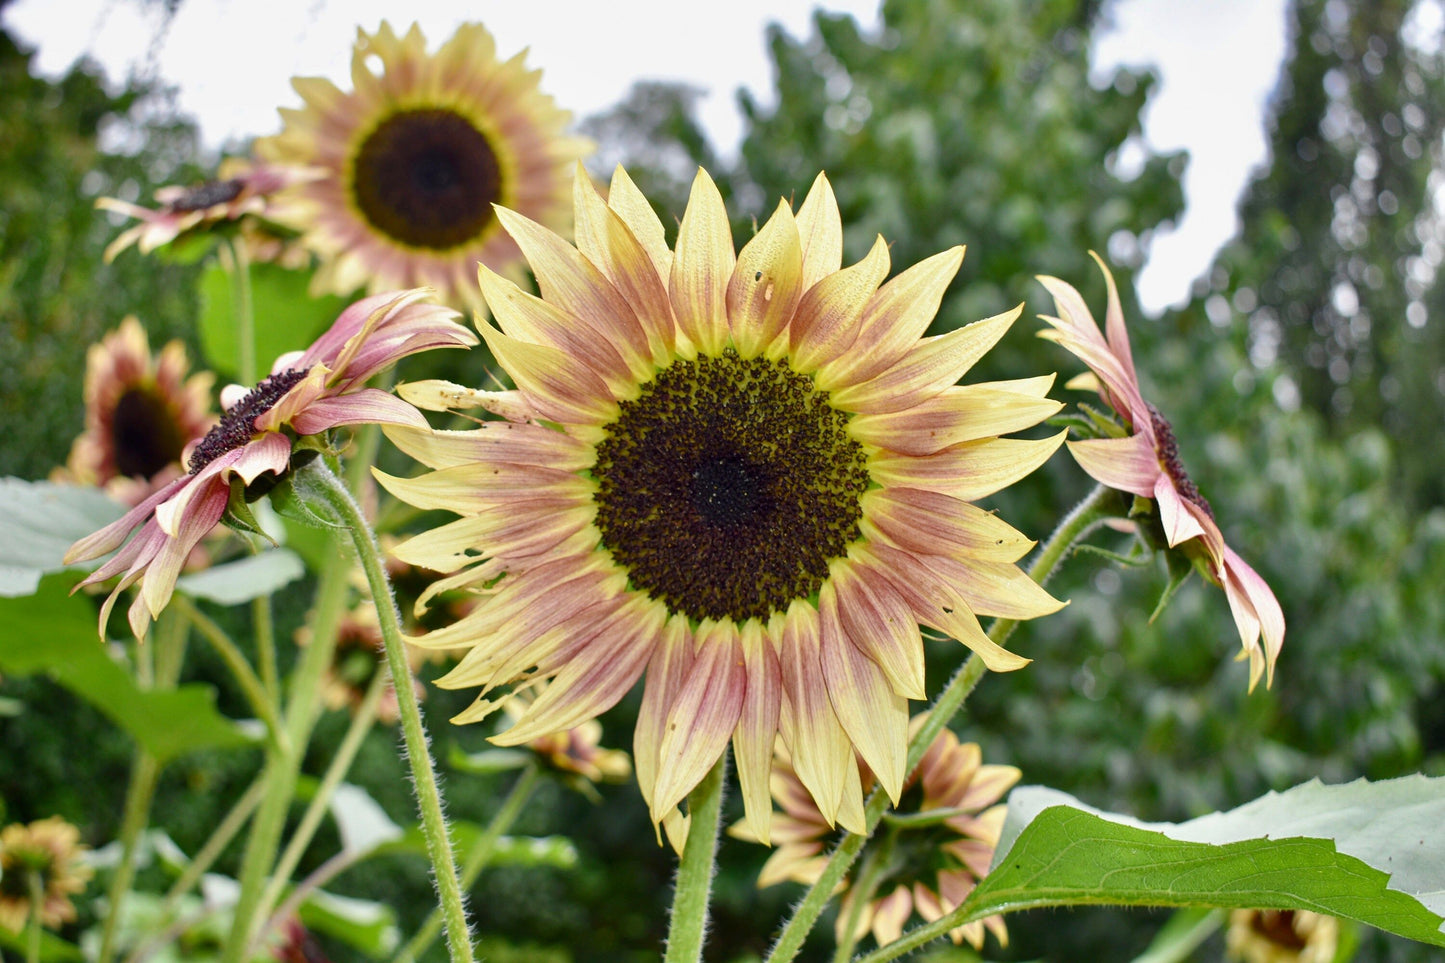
(292,498)
(1179,568)
(238,515)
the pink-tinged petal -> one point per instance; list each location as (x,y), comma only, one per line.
(757,727)
(561,389)
(438,395)
(518,528)
(932,365)
(203,515)
(369,406)
(576,286)
(988,785)
(493,441)
(1256,612)
(596,676)
(633,207)
(961,414)
(893,321)
(1076,330)
(932,523)
(702,267)
(992,588)
(874,716)
(606,240)
(766,284)
(361,316)
(1180,523)
(936,603)
(666,672)
(269,453)
(531,320)
(1124,464)
(114,535)
(825,323)
(970,471)
(471,489)
(890,913)
(703,715)
(820,231)
(882,626)
(820,748)
(1114,329)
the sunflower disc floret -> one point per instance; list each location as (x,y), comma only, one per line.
(746,476)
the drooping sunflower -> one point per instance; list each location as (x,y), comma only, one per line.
(48,851)
(415,156)
(140,412)
(744,474)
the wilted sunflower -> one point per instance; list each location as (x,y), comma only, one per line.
(50,850)
(1144,461)
(742,473)
(416,156)
(307,393)
(140,413)
(1282,936)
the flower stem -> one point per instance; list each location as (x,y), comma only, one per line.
(861,894)
(424,781)
(1085,516)
(361,723)
(694,874)
(477,859)
(145,773)
(37,908)
(251,686)
(245,313)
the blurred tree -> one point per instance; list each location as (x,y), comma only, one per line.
(1336,264)
(63,144)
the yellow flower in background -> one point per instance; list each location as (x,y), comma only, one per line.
(742,474)
(933,864)
(141,410)
(49,849)
(415,155)
(1146,463)
(1281,936)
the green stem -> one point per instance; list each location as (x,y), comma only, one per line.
(251,686)
(477,859)
(37,909)
(207,855)
(361,722)
(245,313)
(279,777)
(861,894)
(1180,946)
(1085,516)
(694,874)
(265,630)
(145,773)
(323,484)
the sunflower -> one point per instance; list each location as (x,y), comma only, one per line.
(307,393)
(49,849)
(1143,460)
(742,474)
(932,859)
(416,156)
(140,412)
(1281,936)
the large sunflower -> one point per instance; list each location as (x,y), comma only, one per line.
(744,474)
(416,156)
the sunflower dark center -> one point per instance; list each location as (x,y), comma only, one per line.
(144,434)
(238,426)
(1167,449)
(207,195)
(728,486)
(427,178)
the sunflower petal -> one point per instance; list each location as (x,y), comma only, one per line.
(826,322)
(702,267)
(757,727)
(766,284)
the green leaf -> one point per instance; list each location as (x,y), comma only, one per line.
(53,633)
(52,947)
(1365,851)
(488,761)
(287,317)
(38,521)
(555,851)
(363,824)
(367,925)
(244,579)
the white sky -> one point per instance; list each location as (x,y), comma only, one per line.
(233,60)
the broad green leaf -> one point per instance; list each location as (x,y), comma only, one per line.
(38,521)
(53,633)
(488,760)
(244,579)
(365,924)
(554,851)
(1365,851)
(287,317)
(362,822)
(52,948)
